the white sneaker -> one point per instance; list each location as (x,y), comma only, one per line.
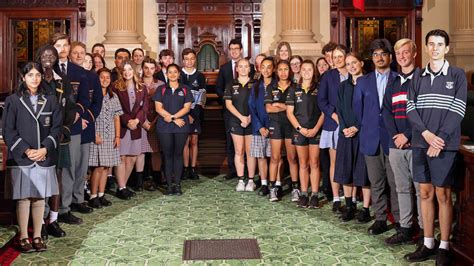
(273,194)
(295,195)
(240,186)
(250,186)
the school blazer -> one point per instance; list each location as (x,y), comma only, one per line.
(78,78)
(369,114)
(327,97)
(96,99)
(24,128)
(139,111)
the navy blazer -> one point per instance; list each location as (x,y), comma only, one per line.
(96,98)
(160,76)
(78,77)
(257,109)
(369,114)
(24,128)
(327,97)
(226,75)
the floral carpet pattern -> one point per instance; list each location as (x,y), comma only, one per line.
(151,228)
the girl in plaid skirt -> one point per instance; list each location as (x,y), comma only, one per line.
(104,152)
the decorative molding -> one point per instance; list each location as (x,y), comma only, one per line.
(40,3)
(256,30)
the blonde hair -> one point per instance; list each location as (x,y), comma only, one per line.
(404,41)
(120,85)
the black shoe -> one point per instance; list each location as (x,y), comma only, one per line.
(348,214)
(150,186)
(55,230)
(378,227)
(421,254)
(185,173)
(443,258)
(194,175)
(81,207)
(69,218)
(95,203)
(336,207)
(402,236)
(177,190)
(264,191)
(363,216)
(122,194)
(169,191)
(44,232)
(104,202)
(131,193)
(279,192)
(303,202)
(314,201)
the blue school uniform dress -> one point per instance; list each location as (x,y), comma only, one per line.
(350,162)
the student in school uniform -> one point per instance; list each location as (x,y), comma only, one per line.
(104,151)
(60,86)
(260,143)
(306,118)
(31,127)
(351,171)
(132,96)
(173,102)
(400,132)
(281,131)
(196,81)
(373,136)
(327,100)
(435,108)
(166,58)
(236,98)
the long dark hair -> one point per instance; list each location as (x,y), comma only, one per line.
(22,88)
(109,88)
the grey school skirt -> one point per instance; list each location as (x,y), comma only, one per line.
(31,182)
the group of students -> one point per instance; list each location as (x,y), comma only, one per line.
(71,115)
(394,135)
(389,133)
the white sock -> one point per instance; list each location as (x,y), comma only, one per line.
(250,180)
(264,182)
(93,196)
(334,199)
(444,245)
(278,183)
(53,216)
(429,242)
(122,188)
(101,194)
(354,200)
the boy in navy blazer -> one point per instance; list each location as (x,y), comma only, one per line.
(368,99)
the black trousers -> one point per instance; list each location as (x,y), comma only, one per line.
(229,144)
(324,162)
(172,145)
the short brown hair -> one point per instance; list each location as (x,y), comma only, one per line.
(329,47)
(60,36)
(166,52)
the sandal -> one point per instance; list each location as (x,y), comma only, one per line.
(39,245)
(25,246)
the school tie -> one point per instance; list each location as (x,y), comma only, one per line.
(234,71)
(63,69)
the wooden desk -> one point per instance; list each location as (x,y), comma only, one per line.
(463,234)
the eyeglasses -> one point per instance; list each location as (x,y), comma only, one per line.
(376,55)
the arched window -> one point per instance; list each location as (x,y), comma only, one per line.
(208,58)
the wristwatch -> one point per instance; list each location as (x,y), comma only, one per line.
(172,118)
(298,129)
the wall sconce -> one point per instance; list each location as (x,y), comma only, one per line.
(90,19)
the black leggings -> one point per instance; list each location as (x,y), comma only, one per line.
(172,145)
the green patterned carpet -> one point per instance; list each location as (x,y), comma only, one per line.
(151,229)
